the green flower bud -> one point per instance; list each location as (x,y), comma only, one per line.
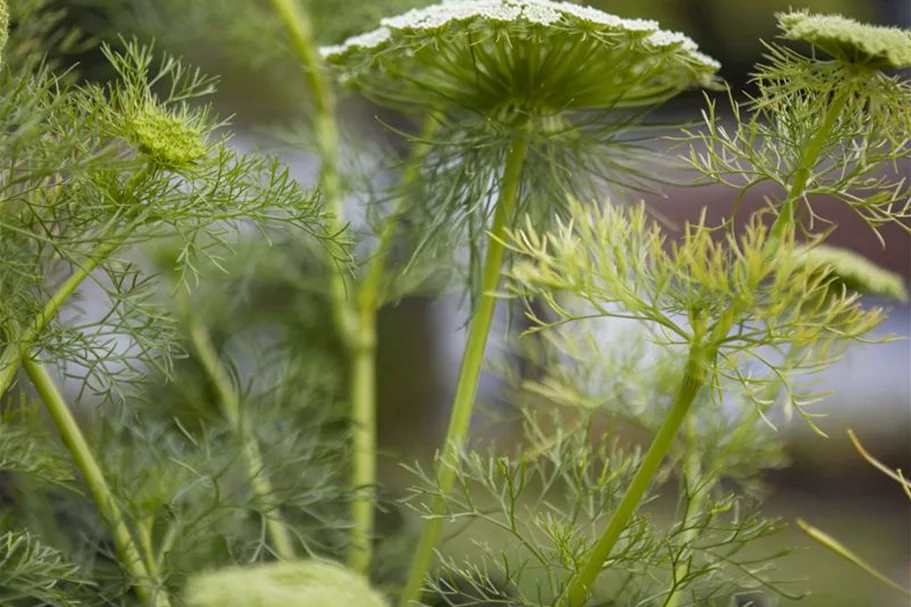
(848,40)
(169,140)
(853,272)
(309,583)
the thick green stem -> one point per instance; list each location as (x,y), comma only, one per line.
(470,372)
(363,468)
(11,357)
(230,404)
(146,587)
(325,125)
(808,161)
(580,585)
(363,376)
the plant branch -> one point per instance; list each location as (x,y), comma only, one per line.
(580,585)
(841,550)
(363,374)
(325,124)
(11,357)
(808,160)
(697,490)
(469,374)
(230,404)
(130,557)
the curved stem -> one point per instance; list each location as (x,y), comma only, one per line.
(11,357)
(841,550)
(808,160)
(363,376)
(84,459)
(300,30)
(469,374)
(230,404)
(580,585)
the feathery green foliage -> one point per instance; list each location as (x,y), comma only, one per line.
(32,573)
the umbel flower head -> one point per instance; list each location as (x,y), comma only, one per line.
(848,40)
(310,583)
(494,72)
(165,131)
(531,56)
(166,138)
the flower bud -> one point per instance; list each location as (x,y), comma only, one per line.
(311,583)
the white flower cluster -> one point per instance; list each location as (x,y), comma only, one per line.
(367,40)
(539,12)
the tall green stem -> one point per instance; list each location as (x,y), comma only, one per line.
(363,374)
(230,403)
(11,357)
(580,585)
(325,124)
(469,374)
(84,459)
(808,160)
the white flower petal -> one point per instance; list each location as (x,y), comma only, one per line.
(541,12)
(664,39)
(367,40)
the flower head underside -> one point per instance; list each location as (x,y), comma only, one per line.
(534,56)
(848,40)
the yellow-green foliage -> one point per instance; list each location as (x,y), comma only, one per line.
(309,583)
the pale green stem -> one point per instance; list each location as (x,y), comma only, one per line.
(11,357)
(808,161)
(144,539)
(697,491)
(363,377)
(230,404)
(469,374)
(84,459)
(363,465)
(325,125)
(581,584)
